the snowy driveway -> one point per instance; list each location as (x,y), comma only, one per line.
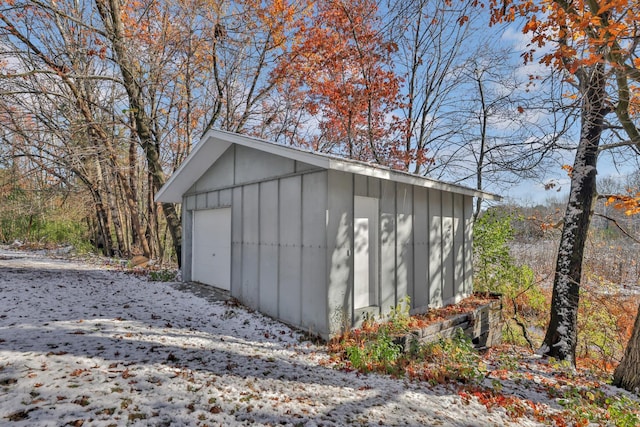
(84,345)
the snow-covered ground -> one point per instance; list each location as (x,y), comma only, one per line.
(83,344)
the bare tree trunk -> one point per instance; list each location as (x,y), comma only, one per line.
(627,374)
(103,240)
(561,337)
(152,222)
(110,13)
(108,189)
(483,143)
(125,219)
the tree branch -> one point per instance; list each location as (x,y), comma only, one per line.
(80,22)
(617,145)
(615,222)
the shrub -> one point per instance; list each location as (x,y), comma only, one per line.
(496,271)
(162,275)
(372,348)
(375,348)
(398,318)
(379,353)
(592,406)
(450,359)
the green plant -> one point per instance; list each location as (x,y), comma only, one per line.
(452,359)
(496,271)
(508,362)
(398,317)
(593,405)
(623,411)
(378,353)
(162,275)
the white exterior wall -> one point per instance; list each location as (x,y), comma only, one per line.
(339,248)
(278,233)
(425,244)
(292,239)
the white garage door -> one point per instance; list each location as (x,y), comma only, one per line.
(211,252)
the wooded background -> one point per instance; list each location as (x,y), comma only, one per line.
(102,100)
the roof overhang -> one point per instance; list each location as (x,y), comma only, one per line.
(215,142)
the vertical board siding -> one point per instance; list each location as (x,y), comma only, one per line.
(224,197)
(360,186)
(420,296)
(268,294)
(290,259)
(187,242)
(213,199)
(435,248)
(468,244)
(447,248)
(314,252)
(201,201)
(388,246)
(458,245)
(292,239)
(189,202)
(373,187)
(250,240)
(404,241)
(339,250)
(236,243)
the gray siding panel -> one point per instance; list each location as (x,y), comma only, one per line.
(250,240)
(388,246)
(420,297)
(373,187)
(290,227)
(458,244)
(269,248)
(201,201)
(213,199)
(253,165)
(404,241)
(224,197)
(468,244)
(360,186)
(219,175)
(187,239)
(189,202)
(314,252)
(236,243)
(447,248)
(339,250)
(435,248)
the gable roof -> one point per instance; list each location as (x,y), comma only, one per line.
(215,142)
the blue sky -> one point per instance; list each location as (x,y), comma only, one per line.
(532,191)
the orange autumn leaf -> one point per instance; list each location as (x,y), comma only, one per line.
(630,204)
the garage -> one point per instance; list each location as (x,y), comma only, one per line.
(318,241)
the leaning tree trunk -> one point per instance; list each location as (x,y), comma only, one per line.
(561,338)
(110,14)
(627,374)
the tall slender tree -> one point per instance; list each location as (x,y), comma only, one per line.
(596,43)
